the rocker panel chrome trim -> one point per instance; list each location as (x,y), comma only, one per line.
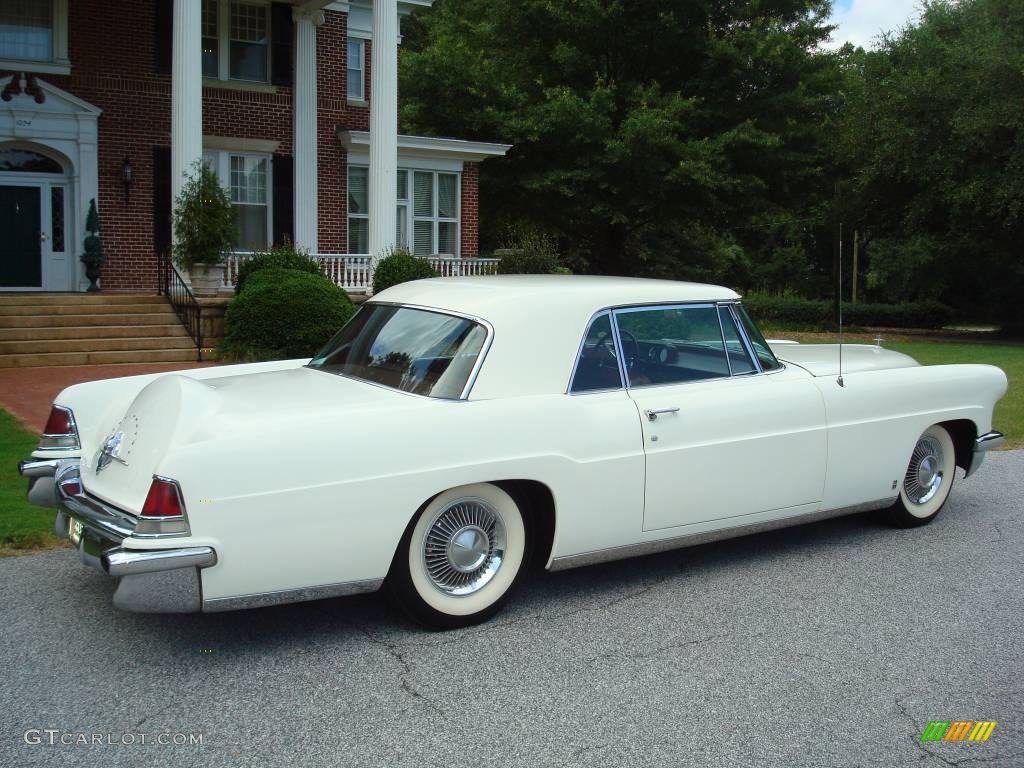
(693,539)
(302,594)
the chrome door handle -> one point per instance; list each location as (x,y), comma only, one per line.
(653,415)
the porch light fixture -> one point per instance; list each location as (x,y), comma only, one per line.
(126,175)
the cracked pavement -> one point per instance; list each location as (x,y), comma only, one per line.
(832,644)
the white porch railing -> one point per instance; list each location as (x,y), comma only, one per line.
(354,272)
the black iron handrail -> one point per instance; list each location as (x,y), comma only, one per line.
(182,300)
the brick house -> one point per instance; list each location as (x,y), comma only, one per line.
(115,101)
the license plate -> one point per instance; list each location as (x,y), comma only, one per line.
(74,531)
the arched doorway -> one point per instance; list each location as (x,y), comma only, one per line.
(35,213)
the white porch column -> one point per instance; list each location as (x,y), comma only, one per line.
(306,212)
(383,127)
(186,92)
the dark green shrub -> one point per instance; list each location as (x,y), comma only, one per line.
(205,222)
(400,266)
(284,313)
(799,313)
(529,252)
(285,256)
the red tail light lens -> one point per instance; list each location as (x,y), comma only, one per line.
(163,500)
(60,431)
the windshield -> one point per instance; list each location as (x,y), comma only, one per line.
(412,350)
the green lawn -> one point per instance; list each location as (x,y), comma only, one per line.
(22,525)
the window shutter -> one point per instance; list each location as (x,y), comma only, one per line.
(284,198)
(162,199)
(281,36)
(164,36)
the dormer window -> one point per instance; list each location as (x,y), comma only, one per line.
(33,35)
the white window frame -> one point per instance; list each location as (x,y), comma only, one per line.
(361,97)
(410,211)
(348,214)
(224,42)
(221,165)
(435,219)
(59,64)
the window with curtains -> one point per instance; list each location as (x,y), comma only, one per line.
(246,176)
(26,30)
(236,40)
(356,69)
(426,211)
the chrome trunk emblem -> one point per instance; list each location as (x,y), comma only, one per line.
(111,451)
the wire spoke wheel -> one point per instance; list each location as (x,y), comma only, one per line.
(928,479)
(925,473)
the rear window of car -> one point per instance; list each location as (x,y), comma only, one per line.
(409,349)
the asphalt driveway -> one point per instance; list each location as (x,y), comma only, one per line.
(833,644)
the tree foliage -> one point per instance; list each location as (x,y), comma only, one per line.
(647,135)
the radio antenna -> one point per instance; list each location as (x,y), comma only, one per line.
(839,381)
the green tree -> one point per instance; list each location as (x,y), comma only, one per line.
(649,136)
(931,139)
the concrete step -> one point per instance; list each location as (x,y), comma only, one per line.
(44,321)
(49,333)
(98,358)
(34,299)
(95,345)
(10,310)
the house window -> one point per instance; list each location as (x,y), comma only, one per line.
(427,205)
(236,40)
(435,213)
(356,69)
(26,30)
(358,210)
(246,176)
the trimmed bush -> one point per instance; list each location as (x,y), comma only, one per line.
(530,252)
(284,313)
(797,313)
(285,256)
(400,266)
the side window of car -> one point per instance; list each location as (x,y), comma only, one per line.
(597,367)
(672,345)
(739,358)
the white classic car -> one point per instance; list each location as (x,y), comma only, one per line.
(457,429)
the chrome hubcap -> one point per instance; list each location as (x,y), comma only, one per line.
(924,475)
(464,547)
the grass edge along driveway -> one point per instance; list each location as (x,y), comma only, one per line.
(24,527)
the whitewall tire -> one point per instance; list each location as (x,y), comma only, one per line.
(928,479)
(461,557)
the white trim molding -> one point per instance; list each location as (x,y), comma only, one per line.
(428,147)
(236,144)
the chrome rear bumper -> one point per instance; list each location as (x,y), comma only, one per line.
(151,580)
(987,442)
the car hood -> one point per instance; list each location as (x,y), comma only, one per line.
(176,410)
(823,359)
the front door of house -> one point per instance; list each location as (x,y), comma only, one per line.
(21,257)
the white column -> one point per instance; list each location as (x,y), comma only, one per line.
(186,92)
(305,185)
(383,126)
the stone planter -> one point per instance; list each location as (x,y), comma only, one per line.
(206,278)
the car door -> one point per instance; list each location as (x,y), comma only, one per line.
(722,439)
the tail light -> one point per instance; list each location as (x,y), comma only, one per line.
(60,432)
(163,512)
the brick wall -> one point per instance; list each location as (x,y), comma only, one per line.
(470,210)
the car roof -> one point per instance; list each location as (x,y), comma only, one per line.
(539,320)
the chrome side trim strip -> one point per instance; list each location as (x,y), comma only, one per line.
(123,562)
(263,599)
(693,539)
